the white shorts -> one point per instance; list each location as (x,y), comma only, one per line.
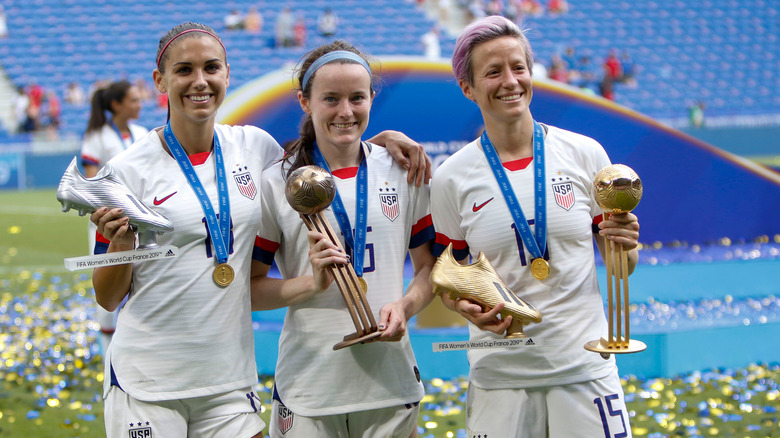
(392,422)
(588,409)
(234,414)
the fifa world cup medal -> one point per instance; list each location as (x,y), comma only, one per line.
(540,268)
(223,275)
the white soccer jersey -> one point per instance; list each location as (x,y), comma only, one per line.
(180,335)
(469,210)
(101,145)
(311,378)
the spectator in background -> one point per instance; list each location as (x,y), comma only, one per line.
(587,73)
(431,43)
(696,114)
(514,11)
(234,20)
(570,57)
(36,96)
(607,87)
(53,112)
(612,66)
(75,94)
(21,104)
(109,132)
(143,90)
(3,23)
(558,6)
(284,28)
(328,23)
(532,7)
(253,23)
(299,31)
(477,9)
(629,69)
(558,70)
(495,7)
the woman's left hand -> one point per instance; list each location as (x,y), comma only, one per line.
(621,228)
(408,153)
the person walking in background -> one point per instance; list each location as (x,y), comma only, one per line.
(182,359)
(492,196)
(110,130)
(378,383)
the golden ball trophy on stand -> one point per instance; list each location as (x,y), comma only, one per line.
(618,189)
(479,282)
(309,190)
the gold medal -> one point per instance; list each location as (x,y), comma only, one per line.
(223,275)
(540,268)
(363,285)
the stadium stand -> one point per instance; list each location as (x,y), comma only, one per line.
(721,52)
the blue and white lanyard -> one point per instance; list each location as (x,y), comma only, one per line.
(119,133)
(536,246)
(358,244)
(220,231)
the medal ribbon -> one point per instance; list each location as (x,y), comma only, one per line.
(357,244)
(119,133)
(536,246)
(219,230)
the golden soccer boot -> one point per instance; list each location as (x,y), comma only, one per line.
(479,282)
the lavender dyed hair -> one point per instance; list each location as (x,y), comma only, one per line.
(481,31)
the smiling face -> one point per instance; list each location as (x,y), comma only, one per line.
(339,105)
(195,76)
(502,85)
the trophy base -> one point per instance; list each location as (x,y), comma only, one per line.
(515,330)
(353,339)
(602,346)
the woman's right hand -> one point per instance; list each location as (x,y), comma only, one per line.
(485,320)
(322,254)
(114,227)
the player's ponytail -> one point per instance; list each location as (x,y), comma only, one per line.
(101,102)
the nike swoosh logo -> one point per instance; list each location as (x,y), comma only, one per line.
(476,207)
(160,201)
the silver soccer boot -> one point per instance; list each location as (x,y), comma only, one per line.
(104,190)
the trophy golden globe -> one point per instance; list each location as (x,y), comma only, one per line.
(479,282)
(617,189)
(309,190)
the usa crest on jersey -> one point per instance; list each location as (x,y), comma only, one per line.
(245,184)
(564,194)
(140,432)
(285,418)
(389,201)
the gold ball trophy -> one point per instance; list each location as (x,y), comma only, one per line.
(309,190)
(479,282)
(618,189)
